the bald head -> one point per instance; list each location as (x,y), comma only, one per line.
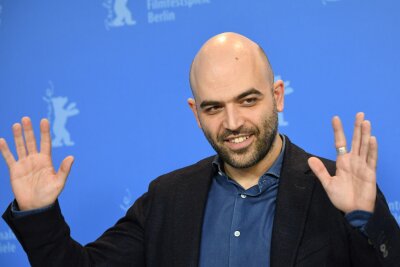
(228,54)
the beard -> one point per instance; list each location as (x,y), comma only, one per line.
(249,156)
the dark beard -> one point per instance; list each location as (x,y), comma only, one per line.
(264,143)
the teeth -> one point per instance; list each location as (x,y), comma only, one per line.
(239,139)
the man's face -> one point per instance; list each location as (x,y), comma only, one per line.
(247,145)
(236,108)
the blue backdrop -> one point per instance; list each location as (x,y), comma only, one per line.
(112,77)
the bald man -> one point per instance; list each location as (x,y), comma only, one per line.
(261,201)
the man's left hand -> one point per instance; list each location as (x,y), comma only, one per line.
(354,185)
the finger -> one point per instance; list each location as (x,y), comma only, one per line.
(45,139)
(365,138)
(320,171)
(64,169)
(340,139)
(29,135)
(19,141)
(355,144)
(372,152)
(5,151)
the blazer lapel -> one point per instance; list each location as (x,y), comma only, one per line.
(190,202)
(293,200)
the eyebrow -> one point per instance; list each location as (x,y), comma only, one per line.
(207,103)
(251,91)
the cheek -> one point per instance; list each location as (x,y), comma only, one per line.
(256,115)
(257,118)
(211,126)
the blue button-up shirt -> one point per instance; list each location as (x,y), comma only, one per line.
(237,225)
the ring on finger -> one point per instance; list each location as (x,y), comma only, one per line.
(341,150)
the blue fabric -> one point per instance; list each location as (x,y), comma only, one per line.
(237,223)
(17,213)
(359,219)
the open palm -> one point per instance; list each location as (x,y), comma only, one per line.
(33,179)
(353,187)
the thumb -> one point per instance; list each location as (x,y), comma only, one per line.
(320,171)
(65,168)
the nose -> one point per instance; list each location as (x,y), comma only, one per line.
(233,119)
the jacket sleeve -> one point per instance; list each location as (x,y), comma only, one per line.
(384,233)
(381,247)
(46,239)
(383,238)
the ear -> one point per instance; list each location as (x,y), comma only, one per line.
(279,92)
(193,107)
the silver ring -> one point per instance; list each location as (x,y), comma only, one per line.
(341,150)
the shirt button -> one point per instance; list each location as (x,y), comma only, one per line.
(243,196)
(237,233)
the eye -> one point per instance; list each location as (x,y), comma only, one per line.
(213,109)
(249,101)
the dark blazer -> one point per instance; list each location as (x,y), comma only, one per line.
(163,227)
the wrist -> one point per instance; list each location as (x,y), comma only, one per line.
(27,208)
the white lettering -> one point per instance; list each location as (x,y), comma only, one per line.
(7,247)
(7,235)
(163,4)
(160,17)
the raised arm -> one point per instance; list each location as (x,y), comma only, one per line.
(353,189)
(44,234)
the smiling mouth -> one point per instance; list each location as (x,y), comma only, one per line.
(238,140)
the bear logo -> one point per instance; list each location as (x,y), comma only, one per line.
(118,13)
(56,107)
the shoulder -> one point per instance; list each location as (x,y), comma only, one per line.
(200,169)
(163,190)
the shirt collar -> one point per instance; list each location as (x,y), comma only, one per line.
(274,170)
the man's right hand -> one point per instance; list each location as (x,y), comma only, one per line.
(33,179)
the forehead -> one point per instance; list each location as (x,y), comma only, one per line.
(224,77)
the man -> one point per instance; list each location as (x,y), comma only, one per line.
(262,201)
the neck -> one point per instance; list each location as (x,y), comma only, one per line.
(248,177)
